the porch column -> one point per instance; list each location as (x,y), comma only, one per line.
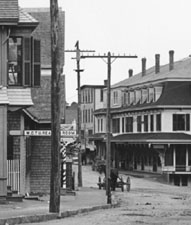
(3,151)
(22,158)
(174,157)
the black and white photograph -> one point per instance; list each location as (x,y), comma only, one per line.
(95,112)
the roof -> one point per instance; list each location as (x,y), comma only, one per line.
(92,86)
(41,110)
(25,19)
(159,138)
(181,71)
(9,12)
(97,137)
(42,32)
(19,97)
(174,94)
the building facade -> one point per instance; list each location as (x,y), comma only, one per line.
(150,121)
(19,72)
(91,100)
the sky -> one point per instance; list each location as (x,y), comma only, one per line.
(132,27)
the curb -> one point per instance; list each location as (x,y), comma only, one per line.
(52,216)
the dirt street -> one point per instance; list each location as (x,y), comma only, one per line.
(148,202)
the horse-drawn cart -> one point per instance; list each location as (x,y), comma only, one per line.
(119,183)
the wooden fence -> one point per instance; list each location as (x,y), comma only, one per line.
(13,174)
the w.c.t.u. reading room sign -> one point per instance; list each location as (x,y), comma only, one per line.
(65,130)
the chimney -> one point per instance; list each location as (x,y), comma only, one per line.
(171,60)
(157,63)
(105,82)
(143,66)
(130,73)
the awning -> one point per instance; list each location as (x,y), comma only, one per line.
(153,138)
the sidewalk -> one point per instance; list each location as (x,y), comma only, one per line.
(85,200)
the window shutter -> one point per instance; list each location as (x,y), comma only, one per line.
(36,68)
(27,61)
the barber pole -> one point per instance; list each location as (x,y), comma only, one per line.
(63,165)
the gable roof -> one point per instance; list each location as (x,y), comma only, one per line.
(181,71)
(9,14)
(41,110)
(42,32)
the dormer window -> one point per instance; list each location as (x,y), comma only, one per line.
(23,61)
(151,95)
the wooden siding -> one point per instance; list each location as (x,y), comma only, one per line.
(20,96)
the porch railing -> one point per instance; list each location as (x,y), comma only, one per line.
(180,168)
(13,174)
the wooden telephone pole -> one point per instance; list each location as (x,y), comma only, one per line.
(78,71)
(54,205)
(108,116)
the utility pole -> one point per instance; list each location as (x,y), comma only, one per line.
(108,116)
(78,71)
(54,205)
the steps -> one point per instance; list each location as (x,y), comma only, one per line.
(13,196)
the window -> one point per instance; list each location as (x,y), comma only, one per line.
(139,124)
(151,95)
(181,122)
(23,61)
(123,124)
(101,95)
(169,157)
(116,125)
(151,123)
(146,123)
(129,124)
(115,97)
(158,122)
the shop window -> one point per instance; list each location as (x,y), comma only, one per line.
(181,122)
(23,61)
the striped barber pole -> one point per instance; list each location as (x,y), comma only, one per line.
(63,165)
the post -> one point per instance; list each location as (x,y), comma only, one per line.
(108,132)
(79,114)
(54,205)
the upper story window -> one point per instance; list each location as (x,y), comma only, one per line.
(23,61)
(101,95)
(129,124)
(116,125)
(139,124)
(151,95)
(158,122)
(151,123)
(146,125)
(115,97)
(181,122)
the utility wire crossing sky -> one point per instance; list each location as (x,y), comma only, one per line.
(139,27)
